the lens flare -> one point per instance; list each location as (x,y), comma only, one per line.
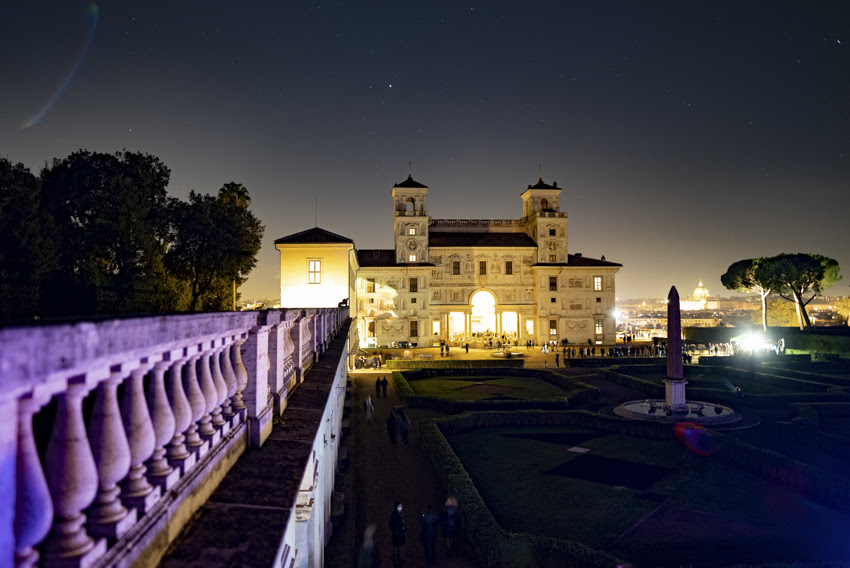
(696,438)
(94,12)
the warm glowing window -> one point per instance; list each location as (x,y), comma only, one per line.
(599,327)
(411,258)
(553,283)
(370,285)
(553,258)
(414,328)
(597,283)
(315,271)
(455,268)
(529,327)
(411,231)
(553,327)
(414,284)
(509,267)
(482,267)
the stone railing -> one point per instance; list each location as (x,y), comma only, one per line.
(114,432)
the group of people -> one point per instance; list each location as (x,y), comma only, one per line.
(398,422)
(429,525)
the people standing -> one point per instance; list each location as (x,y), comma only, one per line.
(392,427)
(449,522)
(557,356)
(369,407)
(428,534)
(397,529)
(368,556)
(378,387)
(404,426)
(384,384)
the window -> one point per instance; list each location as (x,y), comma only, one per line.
(599,327)
(411,231)
(597,283)
(552,300)
(553,258)
(552,232)
(598,300)
(414,285)
(315,272)
(370,285)
(509,267)
(411,258)
(412,300)
(553,283)
(455,268)
(414,328)
(553,327)
(482,267)
(371,329)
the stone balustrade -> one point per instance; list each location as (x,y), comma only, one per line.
(114,432)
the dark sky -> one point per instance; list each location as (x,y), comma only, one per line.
(686,135)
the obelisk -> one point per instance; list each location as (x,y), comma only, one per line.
(675,381)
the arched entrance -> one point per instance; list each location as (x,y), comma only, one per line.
(483,312)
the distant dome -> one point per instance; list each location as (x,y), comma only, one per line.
(701,292)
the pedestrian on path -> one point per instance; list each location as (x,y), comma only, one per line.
(449,522)
(384,384)
(369,406)
(546,363)
(556,360)
(378,387)
(398,530)
(392,426)
(368,556)
(428,534)
(404,425)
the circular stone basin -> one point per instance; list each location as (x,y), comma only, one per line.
(504,355)
(699,412)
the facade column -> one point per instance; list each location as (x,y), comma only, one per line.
(33,507)
(72,479)
(137,491)
(160,471)
(197,404)
(108,517)
(178,456)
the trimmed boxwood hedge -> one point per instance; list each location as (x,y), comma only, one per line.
(495,546)
(449,363)
(574,392)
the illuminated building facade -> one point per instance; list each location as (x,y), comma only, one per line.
(464,280)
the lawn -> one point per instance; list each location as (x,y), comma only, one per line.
(628,495)
(718,381)
(485,387)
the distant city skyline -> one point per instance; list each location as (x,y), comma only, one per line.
(685,136)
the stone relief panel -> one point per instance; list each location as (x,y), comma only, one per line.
(437,274)
(437,295)
(576,306)
(576,282)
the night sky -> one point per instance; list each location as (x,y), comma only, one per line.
(686,135)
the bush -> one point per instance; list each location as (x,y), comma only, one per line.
(454,363)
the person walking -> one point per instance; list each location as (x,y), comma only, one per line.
(557,356)
(368,556)
(397,529)
(392,427)
(449,522)
(384,384)
(428,534)
(369,407)
(404,425)
(378,387)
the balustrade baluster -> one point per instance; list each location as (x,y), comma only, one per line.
(221,390)
(137,491)
(160,471)
(205,426)
(230,380)
(107,516)
(33,507)
(72,479)
(198,405)
(241,377)
(178,456)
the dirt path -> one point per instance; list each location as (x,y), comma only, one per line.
(386,474)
